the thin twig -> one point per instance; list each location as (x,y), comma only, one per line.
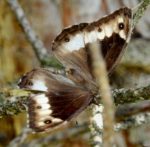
(127,110)
(38,46)
(99,70)
(133,121)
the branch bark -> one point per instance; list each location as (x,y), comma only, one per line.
(139,11)
(17,98)
(13,102)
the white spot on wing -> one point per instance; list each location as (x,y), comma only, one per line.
(39,85)
(75,43)
(44,106)
(90,37)
(40,99)
(57,120)
(100,35)
(43,113)
(120,20)
(40,123)
(115,26)
(45,118)
(122,34)
(108,30)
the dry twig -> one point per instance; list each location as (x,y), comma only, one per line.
(99,70)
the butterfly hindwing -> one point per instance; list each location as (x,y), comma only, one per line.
(57,101)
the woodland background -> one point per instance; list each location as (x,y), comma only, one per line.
(47,19)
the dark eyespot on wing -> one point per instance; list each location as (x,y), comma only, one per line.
(38,107)
(121,26)
(66,39)
(48,121)
(99,29)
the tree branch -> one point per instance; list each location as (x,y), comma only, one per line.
(16,99)
(13,102)
(41,52)
(122,96)
(125,111)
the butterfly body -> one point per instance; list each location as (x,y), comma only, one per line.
(61,97)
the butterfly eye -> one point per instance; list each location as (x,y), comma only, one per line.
(121,26)
(47,121)
(67,39)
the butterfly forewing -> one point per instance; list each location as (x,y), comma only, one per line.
(111,32)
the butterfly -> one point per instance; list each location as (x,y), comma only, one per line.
(63,97)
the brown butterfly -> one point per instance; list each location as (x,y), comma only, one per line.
(62,97)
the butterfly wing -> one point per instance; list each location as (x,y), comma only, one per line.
(58,101)
(68,47)
(57,98)
(112,33)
